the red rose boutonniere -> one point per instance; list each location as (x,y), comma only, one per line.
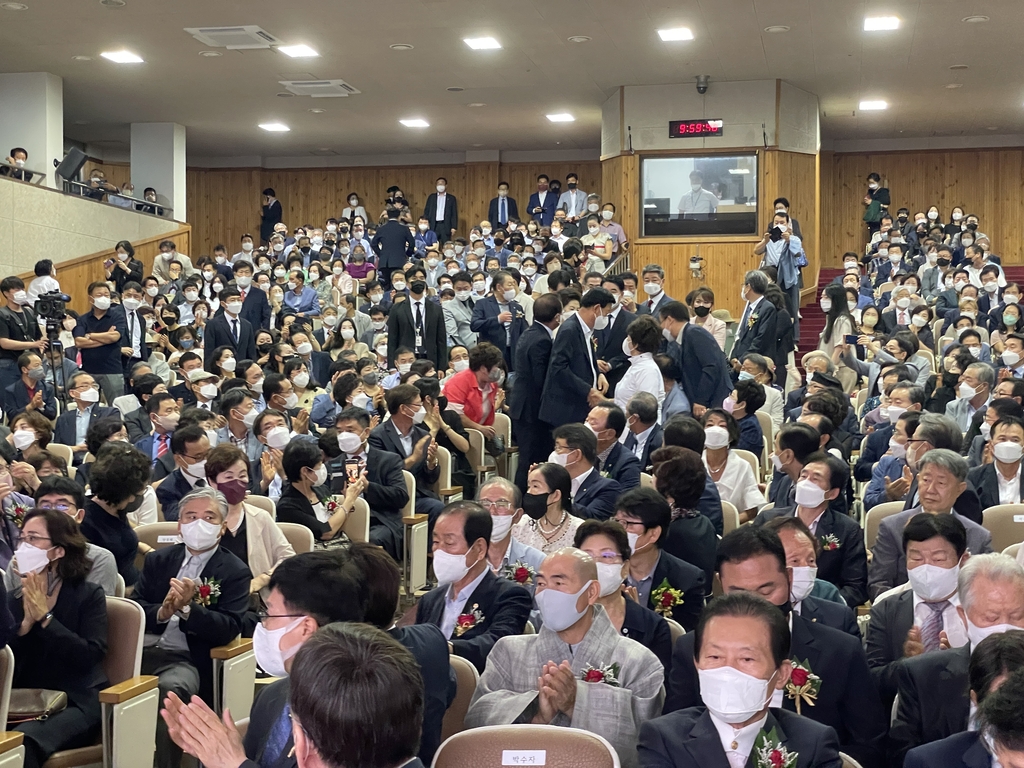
(803,685)
(664,599)
(830,542)
(520,573)
(769,752)
(607,674)
(467,621)
(207,592)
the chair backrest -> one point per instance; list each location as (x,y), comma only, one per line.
(646,480)
(559,747)
(466,678)
(1006,524)
(475,454)
(767,426)
(503,427)
(64,451)
(6,680)
(730,517)
(357,524)
(1012,550)
(158,535)
(925,352)
(937,328)
(751,459)
(848,762)
(410,486)
(861,398)
(126,627)
(874,518)
(766,451)
(885,287)
(675,630)
(119,586)
(444,465)
(942,343)
(263,502)
(299,536)
(529,629)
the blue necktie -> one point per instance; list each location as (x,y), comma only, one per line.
(502,215)
(279,735)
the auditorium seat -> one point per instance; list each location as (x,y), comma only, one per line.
(874,518)
(357,524)
(1006,524)
(263,502)
(675,629)
(466,678)
(299,536)
(560,746)
(730,517)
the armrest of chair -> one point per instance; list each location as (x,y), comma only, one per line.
(414,519)
(446,493)
(129,689)
(236,647)
(11,740)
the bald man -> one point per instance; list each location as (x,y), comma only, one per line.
(578,672)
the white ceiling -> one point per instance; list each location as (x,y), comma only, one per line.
(221,100)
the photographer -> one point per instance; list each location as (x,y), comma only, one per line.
(19,329)
(780,248)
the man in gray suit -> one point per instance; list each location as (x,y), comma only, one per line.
(908,623)
(458,313)
(590,677)
(573,201)
(941,478)
(973,394)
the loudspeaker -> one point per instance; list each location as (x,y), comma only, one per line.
(71,164)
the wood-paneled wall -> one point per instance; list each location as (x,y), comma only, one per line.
(223,204)
(988,182)
(117,174)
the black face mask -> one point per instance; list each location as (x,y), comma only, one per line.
(263,348)
(370,379)
(901,218)
(786,608)
(133,505)
(949,380)
(972,227)
(305,249)
(942,262)
(535,505)
(702,311)
(572,185)
(418,287)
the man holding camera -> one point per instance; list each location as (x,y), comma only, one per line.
(780,248)
(19,329)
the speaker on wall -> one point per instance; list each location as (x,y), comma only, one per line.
(71,164)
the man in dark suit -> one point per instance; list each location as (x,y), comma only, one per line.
(163,412)
(612,360)
(897,319)
(394,245)
(189,446)
(255,307)
(573,384)
(230,329)
(576,450)
(543,202)
(442,211)
(706,380)
(693,738)
(756,332)
(31,392)
(1007,437)
(72,426)
(654,297)
(133,345)
(485,607)
(418,324)
(137,422)
(403,436)
(502,208)
(843,559)
(752,559)
(270,215)
(190,623)
(646,516)
(499,319)
(614,460)
(644,434)
(386,492)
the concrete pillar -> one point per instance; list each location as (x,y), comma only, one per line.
(158,161)
(33,118)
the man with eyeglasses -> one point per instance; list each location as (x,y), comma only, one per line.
(65,495)
(508,557)
(72,425)
(189,446)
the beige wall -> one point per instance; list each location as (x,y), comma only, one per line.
(37,223)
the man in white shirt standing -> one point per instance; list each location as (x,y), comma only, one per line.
(698,203)
(573,201)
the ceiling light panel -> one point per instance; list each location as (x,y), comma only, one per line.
(561,117)
(297,51)
(482,43)
(275,127)
(122,57)
(880,23)
(677,33)
(869,106)
(415,122)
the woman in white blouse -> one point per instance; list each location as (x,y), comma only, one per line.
(759,368)
(732,475)
(643,337)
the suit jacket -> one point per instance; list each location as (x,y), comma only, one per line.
(961,750)
(270,216)
(984,482)
(402,332)
(488,328)
(758,336)
(847,700)
(386,493)
(570,377)
(16,399)
(255,308)
(688,579)
(428,646)
(393,244)
(596,497)
(266,711)
(888,567)
(139,424)
(510,208)
(967,503)
(843,560)
(170,492)
(830,614)
(891,620)
(875,447)
(507,691)
(706,379)
(546,216)
(458,318)
(163,466)
(660,300)
(64,428)
(609,348)
(218,333)
(934,700)
(650,630)
(565,202)
(533,353)
(654,441)
(622,466)
(693,540)
(887,324)
(451,213)
(384,437)
(505,607)
(207,626)
(689,739)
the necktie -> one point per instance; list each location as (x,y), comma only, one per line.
(131,330)
(502,214)
(241,295)
(743,320)
(419,318)
(631,442)
(234,330)
(933,625)
(650,304)
(161,446)
(277,739)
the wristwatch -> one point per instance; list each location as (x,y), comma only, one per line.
(183,613)
(46,617)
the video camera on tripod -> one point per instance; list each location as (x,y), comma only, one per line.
(52,307)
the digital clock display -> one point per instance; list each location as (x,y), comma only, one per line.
(685,129)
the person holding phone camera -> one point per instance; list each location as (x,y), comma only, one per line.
(780,248)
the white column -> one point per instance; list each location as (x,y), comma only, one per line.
(33,118)
(158,161)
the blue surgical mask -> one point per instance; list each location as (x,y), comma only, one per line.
(745,376)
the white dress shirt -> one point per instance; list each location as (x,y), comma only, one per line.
(953,625)
(813,525)
(743,739)
(641,440)
(737,485)
(587,334)
(134,333)
(1009,490)
(643,375)
(578,481)
(442,197)
(453,606)
(173,639)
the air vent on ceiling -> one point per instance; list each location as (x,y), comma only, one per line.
(319,89)
(323,152)
(234,38)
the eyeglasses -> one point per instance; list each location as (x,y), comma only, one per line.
(35,540)
(65,508)
(501,506)
(627,523)
(263,615)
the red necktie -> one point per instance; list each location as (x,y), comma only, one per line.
(242,295)
(650,304)
(161,446)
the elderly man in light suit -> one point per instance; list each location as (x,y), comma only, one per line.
(458,313)
(579,672)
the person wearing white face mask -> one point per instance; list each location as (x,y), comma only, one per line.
(205,388)
(99,335)
(656,579)
(472,606)
(974,394)
(998,482)
(229,330)
(304,388)
(306,499)
(19,329)
(592,678)
(163,413)
(196,594)
(742,662)
(442,211)
(593,495)
(280,395)
(189,447)
(932,687)
(499,319)
(508,557)
(732,475)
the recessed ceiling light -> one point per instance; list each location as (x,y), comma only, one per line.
(561,117)
(873,105)
(122,57)
(879,23)
(210,54)
(477,104)
(478,145)
(579,39)
(677,33)
(415,122)
(275,127)
(951,86)
(455,89)
(776,29)
(81,58)
(113,3)
(975,19)
(14,6)
(959,66)
(401,47)
(297,51)
(317,111)
(482,43)
(284,94)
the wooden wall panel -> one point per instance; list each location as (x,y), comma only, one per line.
(117,174)
(988,182)
(480,187)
